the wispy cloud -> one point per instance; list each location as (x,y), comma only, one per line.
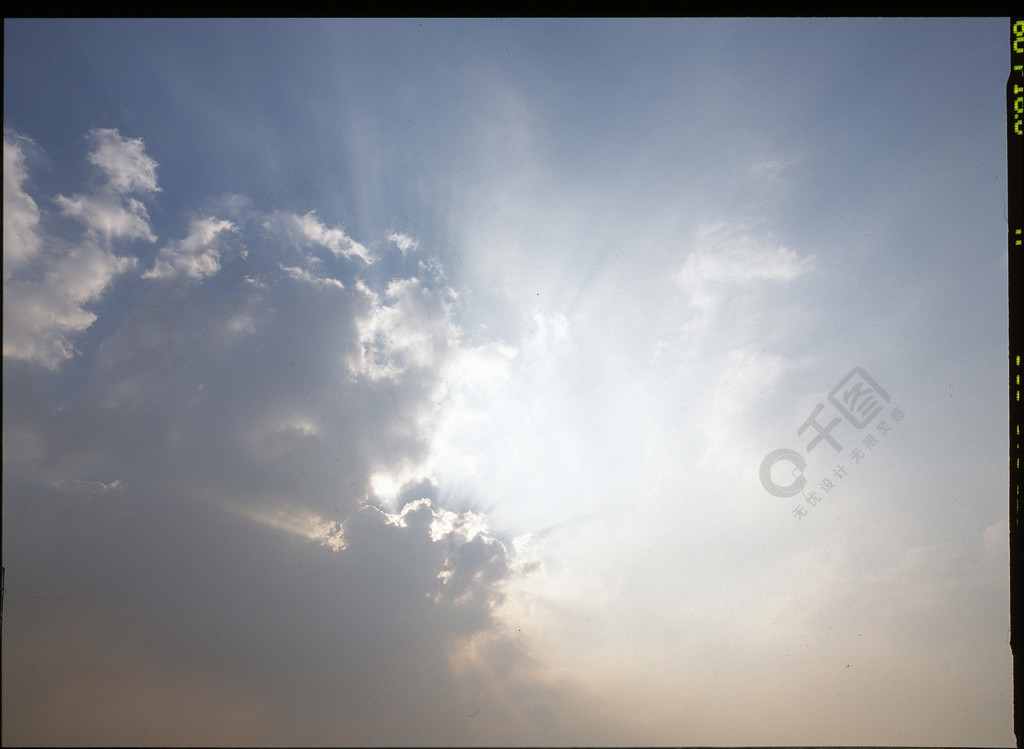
(89,488)
(196,256)
(300,274)
(335,239)
(726,259)
(299,522)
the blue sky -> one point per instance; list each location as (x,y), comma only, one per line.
(408,382)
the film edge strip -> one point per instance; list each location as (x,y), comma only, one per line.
(1015,268)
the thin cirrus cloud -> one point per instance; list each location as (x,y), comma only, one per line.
(726,257)
(300,274)
(90,488)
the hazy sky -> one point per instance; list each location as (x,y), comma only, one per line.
(410,382)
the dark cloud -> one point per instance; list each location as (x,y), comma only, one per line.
(193,550)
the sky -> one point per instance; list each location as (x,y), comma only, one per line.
(505,382)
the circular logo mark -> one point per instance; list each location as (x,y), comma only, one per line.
(776,456)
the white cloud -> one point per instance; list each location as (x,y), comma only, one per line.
(197,255)
(404,242)
(123,161)
(109,211)
(336,240)
(465,526)
(41,317)
(305,276)
(46,304)
(387,484)
(21,214)
(109,216)
(413,331)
